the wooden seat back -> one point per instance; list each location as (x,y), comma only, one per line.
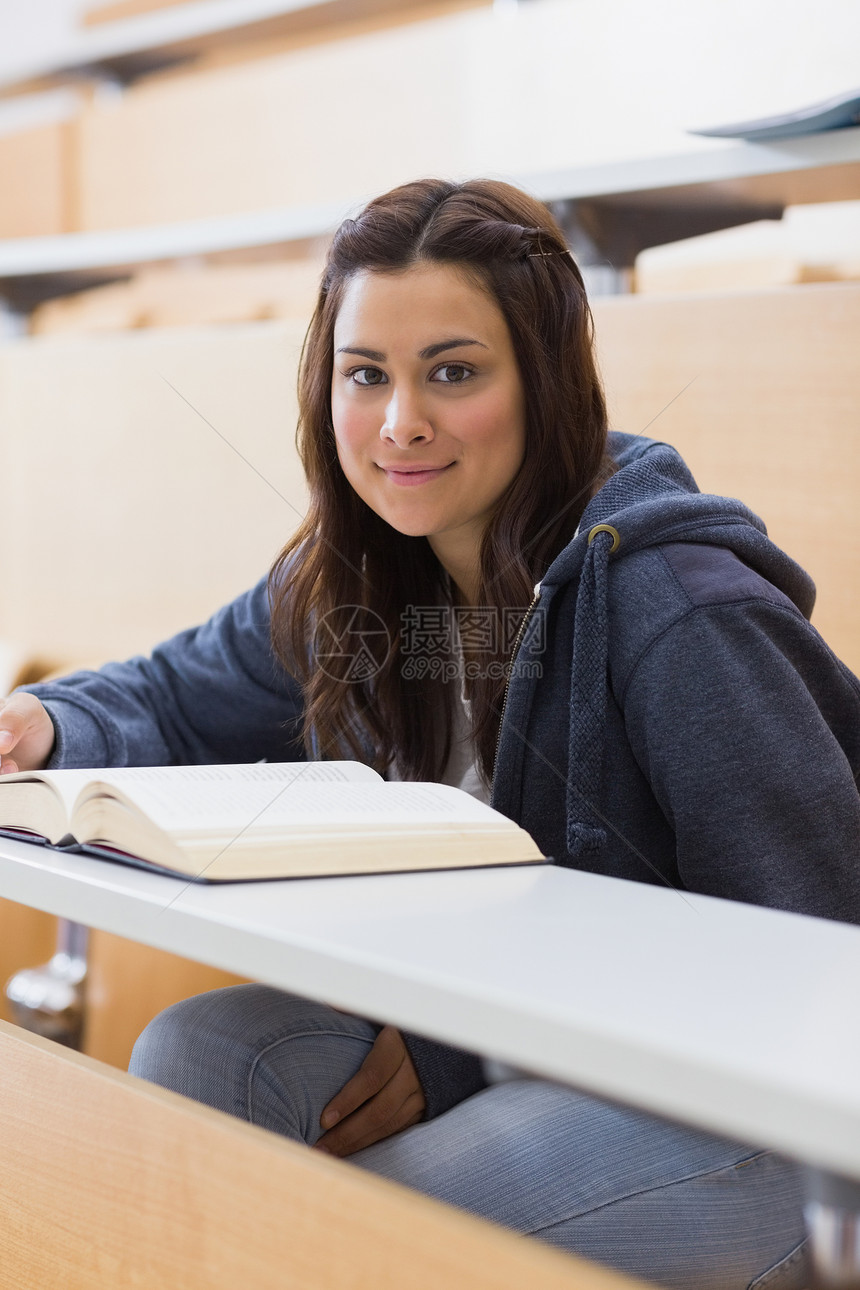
(108,1181)
(760,392)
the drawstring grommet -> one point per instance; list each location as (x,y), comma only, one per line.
(606,528)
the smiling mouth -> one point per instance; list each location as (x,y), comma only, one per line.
(411,476)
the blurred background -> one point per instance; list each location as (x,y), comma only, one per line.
(170,173)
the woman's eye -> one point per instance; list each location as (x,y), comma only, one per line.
(367,376)
(452,373)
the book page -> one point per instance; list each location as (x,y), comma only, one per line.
(180,778)
(301,802)
(67,784)
(71,785)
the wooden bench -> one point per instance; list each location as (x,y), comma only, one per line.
(108,1181)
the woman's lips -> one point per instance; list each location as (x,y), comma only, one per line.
(411,478)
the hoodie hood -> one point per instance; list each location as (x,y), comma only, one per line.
(651,500)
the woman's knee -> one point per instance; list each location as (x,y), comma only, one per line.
(258,1053)
(192,1046)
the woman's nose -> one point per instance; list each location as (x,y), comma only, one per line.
(406,420)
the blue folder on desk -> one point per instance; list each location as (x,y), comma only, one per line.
(837,113)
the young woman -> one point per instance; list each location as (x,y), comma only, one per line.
(659,709)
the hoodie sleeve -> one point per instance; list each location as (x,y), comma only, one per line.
(448,1075)
(212,694)
(748,729)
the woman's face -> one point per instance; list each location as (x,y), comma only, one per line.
(428,405)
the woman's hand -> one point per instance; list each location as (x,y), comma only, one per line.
(26,732)
(384,1097)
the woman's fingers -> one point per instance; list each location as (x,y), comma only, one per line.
(379,1066)
(383,1097)
(25,730)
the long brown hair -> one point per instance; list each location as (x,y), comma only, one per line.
(346,569)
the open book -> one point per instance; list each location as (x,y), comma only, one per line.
(269,820)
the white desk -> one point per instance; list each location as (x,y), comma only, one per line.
(741,1020)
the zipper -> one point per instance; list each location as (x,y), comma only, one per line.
(518,639)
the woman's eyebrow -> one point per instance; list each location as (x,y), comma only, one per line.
(362,353)
(431,351)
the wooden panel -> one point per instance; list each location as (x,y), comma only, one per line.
(750,274)
(128,984)
(180,296)
(108,1181)
(262,134)
(323,20)
(760,392)
(27,939)
(815,244)
(35,181)
(173,480)
(321,23)
(95,15)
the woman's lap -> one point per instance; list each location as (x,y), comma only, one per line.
(650,1197)
(642,1194)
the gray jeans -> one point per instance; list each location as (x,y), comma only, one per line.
(672,1205)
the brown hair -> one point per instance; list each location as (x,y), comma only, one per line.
(344,555)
